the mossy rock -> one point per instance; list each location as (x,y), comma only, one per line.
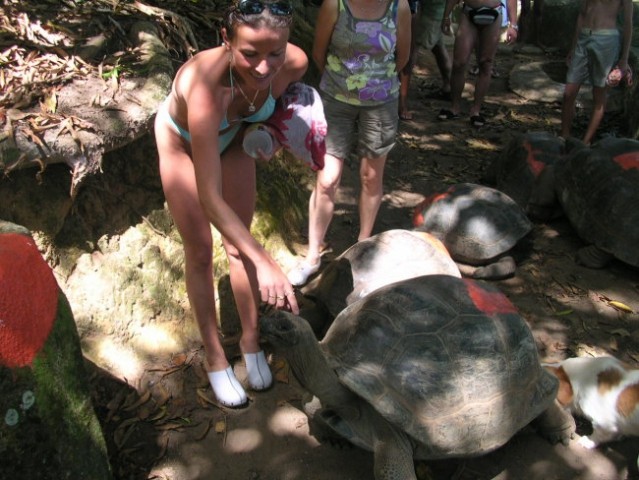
(49,428)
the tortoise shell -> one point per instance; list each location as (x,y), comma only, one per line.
(598,189)
(476,223)
(384,258)
(521,172)
(447,360)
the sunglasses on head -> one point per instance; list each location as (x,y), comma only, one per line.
(253,7)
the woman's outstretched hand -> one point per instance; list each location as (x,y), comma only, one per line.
(275,289)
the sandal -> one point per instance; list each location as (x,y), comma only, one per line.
(405,115)
(445,114)
(227,389)
(299,274)
(259,374)
(477,120)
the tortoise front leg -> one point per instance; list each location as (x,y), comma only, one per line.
(393,455)
(555,424)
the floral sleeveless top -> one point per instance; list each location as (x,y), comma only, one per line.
(360,62)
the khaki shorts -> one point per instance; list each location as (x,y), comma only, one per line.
(372,130)
(430,31)
(596,53)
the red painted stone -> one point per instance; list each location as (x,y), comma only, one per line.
(28,300)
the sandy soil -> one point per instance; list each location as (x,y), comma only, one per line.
(566,305)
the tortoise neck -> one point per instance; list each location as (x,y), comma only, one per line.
(311,369)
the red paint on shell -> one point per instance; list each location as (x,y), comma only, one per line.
(28,300)
(488,302)
(536,167)
(418,212)
(627,161)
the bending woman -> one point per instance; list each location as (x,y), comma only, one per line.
(208,178)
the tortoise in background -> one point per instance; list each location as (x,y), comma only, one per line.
(598,189)
(479,226)
(521,172)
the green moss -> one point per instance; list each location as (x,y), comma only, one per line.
(64,401)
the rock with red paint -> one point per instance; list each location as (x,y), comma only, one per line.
(478,225)
(598,189)
(521,171)
(49,428)
(431,367)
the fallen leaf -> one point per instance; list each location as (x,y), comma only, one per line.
(145,397)
(620,306)
(621,332)
(220,426)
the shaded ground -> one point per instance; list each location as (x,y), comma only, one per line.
(173,430)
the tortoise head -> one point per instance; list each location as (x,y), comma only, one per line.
(283,330)
(292,337)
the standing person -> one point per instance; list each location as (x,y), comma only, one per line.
(360,47)
(431,39)
(208,178)
(594,53)
(407,72)
(479,27)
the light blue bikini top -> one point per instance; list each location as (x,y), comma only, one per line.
(264,113)
(225,138)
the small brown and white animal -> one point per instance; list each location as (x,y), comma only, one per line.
(603,390)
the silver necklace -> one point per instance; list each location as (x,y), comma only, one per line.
(251,107)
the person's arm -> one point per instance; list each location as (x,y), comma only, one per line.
(404,18)
(326,18)
(512,30)
(627,35)
(578,26)
(450,4)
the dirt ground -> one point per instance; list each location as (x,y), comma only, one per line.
(188,437)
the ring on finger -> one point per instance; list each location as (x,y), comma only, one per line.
(281,298)
(272,296)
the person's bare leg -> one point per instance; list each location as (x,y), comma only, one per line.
(404,86)
(488,38)
(371,174)
(464,43)
(407,72)
(180,190)
(444,64)
(599,95)
(538,15)
(239,187)
(568,108)
(322,205)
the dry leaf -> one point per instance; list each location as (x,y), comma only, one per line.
(133,404)
(621,332)
(50,103)
(178,359)
(220,426)
(123,432)
(620,306)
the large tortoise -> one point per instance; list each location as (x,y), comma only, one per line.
(384,258)
(523,171)
(598,189)
(427,368)
(478,225)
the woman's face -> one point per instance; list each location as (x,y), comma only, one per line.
(258,54)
